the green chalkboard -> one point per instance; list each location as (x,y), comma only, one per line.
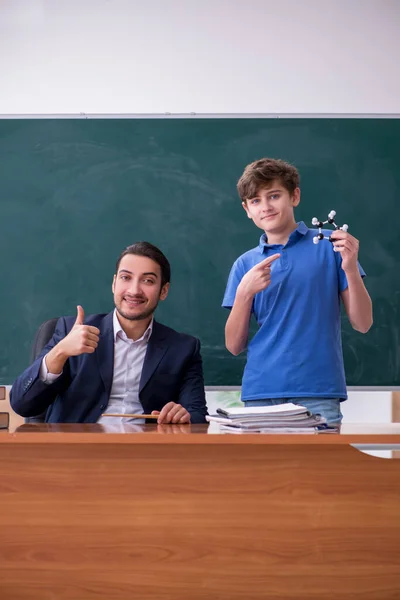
(75,192)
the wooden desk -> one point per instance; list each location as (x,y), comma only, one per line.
(87,514)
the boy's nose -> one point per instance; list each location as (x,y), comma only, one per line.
(266,207)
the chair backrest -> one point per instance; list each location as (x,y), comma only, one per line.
(42,336)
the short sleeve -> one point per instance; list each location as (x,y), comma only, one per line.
(343,285)
(235,277)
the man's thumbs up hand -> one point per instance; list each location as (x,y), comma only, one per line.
(82,339)
(80,315)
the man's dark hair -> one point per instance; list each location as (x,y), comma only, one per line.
(263,172)
(150,251)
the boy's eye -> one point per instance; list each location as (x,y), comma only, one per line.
(254,201)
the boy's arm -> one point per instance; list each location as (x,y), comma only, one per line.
(238,323)
(356,300)
(357,303)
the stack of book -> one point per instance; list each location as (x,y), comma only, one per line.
(4,416)
(280,418)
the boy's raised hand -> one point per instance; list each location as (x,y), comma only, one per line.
(82,339)
(258,278)
(347,245)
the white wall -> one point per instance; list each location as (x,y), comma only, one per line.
(205,56)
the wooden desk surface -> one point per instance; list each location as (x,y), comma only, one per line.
(93,515)
(362,433)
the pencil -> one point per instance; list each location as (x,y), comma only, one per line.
(130,416)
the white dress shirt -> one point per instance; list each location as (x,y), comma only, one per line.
(129,357)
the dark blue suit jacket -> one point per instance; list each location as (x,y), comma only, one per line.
(172,371)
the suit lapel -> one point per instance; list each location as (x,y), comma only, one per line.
(105,352)
(156,349)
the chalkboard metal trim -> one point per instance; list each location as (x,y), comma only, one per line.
(194,115)
(237,388)
(350,388)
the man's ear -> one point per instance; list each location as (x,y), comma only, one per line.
(244,204)
(113,284)
(164,291)
(296,197)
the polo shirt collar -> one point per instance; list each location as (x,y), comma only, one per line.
(300,231)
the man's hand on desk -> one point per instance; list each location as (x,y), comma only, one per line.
(172,413)
(172,428)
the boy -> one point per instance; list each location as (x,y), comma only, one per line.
(293,287)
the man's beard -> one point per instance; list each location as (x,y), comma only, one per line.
(146,313)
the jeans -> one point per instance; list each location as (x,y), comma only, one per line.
(326,407)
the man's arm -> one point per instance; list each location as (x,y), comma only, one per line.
(192,394)
(190,406)
(30,395)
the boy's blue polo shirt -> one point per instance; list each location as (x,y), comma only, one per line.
(297,350)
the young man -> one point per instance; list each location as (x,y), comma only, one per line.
(122,362)
(293,287)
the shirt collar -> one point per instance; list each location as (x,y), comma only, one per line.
(300,230)
(120,333)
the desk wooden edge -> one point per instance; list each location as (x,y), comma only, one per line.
(197,439)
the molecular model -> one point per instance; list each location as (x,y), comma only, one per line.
(331,220)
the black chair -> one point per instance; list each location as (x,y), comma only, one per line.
(43,335)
